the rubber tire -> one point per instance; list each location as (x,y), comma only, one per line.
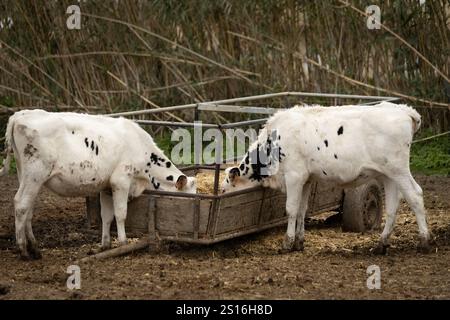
(363,208)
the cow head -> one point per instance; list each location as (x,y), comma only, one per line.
(236,180)
(181,183)
(186,184)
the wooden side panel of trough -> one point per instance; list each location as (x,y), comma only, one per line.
(274,206)
(238,212)
(176,216)
(137,214)
(173,216)
(244,211)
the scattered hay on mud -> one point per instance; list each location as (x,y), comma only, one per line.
(321,238)
(205,181)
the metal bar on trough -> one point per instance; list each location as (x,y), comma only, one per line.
(179,194)
(175,124)
(148,111)
(216,178)
(243,123)
(378,101)
(196,218)
(337,95)
(239,109)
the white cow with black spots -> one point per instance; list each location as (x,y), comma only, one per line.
(79,155)
(347,145)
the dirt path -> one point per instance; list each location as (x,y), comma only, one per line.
(333,264)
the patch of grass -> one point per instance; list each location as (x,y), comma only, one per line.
(165,143)
(12,167)
(431,156)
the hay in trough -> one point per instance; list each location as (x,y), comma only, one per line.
(205,181)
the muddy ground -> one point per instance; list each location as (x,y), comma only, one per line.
(333,265)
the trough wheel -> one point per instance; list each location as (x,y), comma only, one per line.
(363,208)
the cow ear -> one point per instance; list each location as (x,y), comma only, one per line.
(181,182)
(234,174)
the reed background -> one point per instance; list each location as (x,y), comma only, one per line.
(131,55)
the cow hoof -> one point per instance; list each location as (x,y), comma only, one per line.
(381,249)
(25,257)
(123,243)
(105,247)
(424,247)
(288,244)
(284,251)
(298,245)
(35,254)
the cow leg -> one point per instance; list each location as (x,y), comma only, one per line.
(294,187)
(414,196)
(120,199)
(23,205)
(300,228)
(32,246)
(107,214)
(392,196)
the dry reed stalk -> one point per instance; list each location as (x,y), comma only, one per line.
(406,43)
(280,47)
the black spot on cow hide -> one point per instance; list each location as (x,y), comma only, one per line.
(257,167)
(169,178)
(155,183)
(29,151)
(155,159)
(340,130)
(326,143)
(335,156)
(86,141)
(168,164)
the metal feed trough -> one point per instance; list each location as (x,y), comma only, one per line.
(210,218)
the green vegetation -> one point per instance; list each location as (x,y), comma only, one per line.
(12,167)
(165,143)
(431,156)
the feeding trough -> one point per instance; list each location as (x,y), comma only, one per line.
(211,218)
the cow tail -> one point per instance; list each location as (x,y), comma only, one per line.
(415,116)
(8,146)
